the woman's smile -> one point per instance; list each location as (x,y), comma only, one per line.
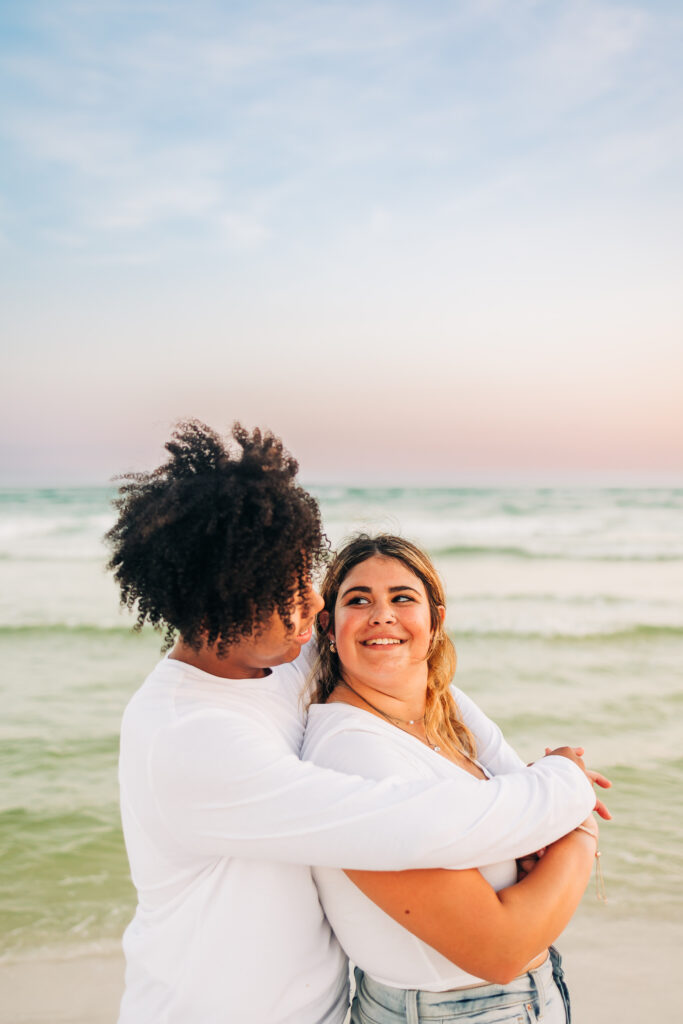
(382,641)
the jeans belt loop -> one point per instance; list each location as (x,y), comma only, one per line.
(540,991)
(412,1016)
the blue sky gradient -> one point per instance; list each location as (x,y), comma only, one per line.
(423,242)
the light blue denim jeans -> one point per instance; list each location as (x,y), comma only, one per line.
(538,995)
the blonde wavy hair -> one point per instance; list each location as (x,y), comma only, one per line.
(443,722)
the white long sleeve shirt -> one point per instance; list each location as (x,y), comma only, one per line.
(221,820)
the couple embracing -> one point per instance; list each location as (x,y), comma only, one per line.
(266,850)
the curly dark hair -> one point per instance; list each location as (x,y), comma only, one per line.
(218,538)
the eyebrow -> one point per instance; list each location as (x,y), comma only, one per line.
(368,590)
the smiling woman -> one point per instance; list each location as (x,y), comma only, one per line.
(385,708)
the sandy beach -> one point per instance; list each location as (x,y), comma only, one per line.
(617,971)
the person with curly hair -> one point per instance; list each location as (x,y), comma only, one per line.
(217,548)
(385,706)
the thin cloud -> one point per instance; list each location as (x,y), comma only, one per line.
(290,99)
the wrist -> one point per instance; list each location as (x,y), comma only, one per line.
(599,879)
(592,833)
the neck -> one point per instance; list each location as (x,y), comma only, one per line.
(235,664)
(403,705)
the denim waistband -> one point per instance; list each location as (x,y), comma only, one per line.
(532,987)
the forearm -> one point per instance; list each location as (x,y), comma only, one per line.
(337,821)
(539,908)
(223,787)
(491,935)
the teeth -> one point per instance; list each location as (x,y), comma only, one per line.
(383,641)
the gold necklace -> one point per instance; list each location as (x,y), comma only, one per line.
(393,718)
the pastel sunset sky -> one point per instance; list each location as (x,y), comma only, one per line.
(435,242)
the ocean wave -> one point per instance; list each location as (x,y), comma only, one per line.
(525,523)
(54,533)
(74,630)
(553,554)
(96,553)
(63,877)
(620,634)
(523,632)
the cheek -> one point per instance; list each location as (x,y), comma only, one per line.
(421,628)
(343,632)
(415,616)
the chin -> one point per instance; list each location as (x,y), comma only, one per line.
(291,655)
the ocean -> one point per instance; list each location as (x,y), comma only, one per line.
(565,608)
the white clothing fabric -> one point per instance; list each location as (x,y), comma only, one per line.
(351,739)
(221,818)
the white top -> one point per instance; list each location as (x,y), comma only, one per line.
(221,818)
(351,739)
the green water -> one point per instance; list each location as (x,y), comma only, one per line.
(578,640)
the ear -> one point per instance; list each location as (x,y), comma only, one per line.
(324,620)
(442,613)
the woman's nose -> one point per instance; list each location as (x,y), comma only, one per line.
(382,612)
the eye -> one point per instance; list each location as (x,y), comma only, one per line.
(358,599)
(404,597)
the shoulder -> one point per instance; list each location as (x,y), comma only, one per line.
(472,715)
(327,721)
(466,704)
(295,677)
(351,740)
(493,751)
(182,718)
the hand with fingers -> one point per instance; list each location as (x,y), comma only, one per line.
(575,754)
(525,865)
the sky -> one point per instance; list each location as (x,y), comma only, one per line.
(424,243)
